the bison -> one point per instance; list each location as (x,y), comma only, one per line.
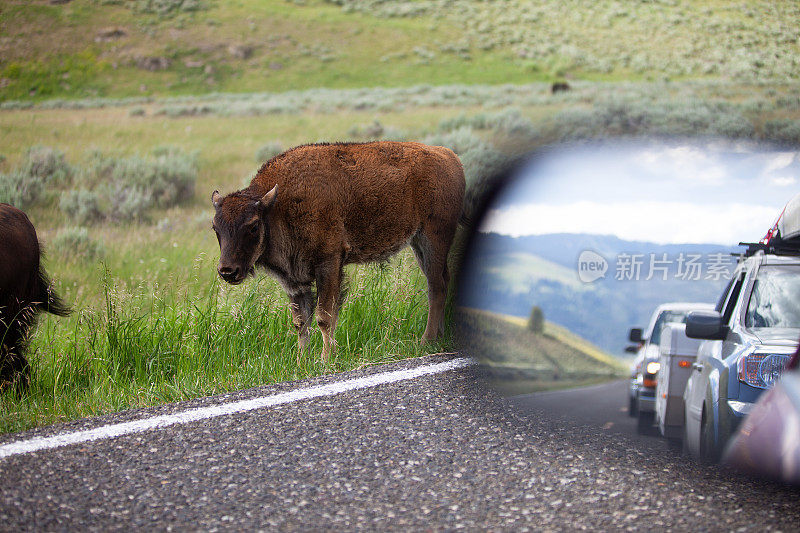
(315,208)
(25,290)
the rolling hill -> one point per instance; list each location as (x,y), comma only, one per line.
(519,360)
(510,275)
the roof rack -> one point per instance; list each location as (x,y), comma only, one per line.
(775,245)
(773,242)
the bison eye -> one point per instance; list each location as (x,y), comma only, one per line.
(252,230)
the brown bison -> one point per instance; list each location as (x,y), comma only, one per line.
(25,290)
(315,208)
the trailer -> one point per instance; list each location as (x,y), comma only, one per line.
(677,354)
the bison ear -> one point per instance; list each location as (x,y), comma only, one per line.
(268,199)
(215,198)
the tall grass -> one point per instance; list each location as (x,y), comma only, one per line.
(139,348)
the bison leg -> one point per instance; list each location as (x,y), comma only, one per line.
(302,306)
(21,372)
(14,367)
(329,282)
(431,255)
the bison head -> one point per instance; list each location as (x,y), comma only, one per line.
(241,228)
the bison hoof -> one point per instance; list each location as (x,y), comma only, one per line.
(302,342)
(426,338)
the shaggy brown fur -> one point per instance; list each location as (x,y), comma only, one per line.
(25,290)
(315,208)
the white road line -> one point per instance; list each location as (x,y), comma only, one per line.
(201,413)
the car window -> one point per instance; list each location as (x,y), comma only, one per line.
(775,299)
(724,297)
(663,319)
(733,297)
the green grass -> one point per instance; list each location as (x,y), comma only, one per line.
(143,343)
(226,146)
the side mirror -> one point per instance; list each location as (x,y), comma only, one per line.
(705,325)
(635,335)
(631,349)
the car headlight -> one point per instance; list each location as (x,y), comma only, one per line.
(652,367)
(761,369)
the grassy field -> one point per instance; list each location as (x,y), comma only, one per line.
(87,48)
(520,361)
(147,344)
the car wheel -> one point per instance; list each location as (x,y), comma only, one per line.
(685,441)
(632,411)
(708,451)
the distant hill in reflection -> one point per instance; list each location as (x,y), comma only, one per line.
(509,275)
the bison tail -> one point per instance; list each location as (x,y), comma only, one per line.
(49,300)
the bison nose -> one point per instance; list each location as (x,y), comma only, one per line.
(229,273)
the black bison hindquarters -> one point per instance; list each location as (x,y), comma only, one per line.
(315,208)
(25,291)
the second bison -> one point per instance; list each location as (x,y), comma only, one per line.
(315,208)
(25,291)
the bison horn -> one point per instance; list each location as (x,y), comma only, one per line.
(215,198)
(268,199)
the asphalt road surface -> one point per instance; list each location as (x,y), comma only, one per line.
(601,407)
(435,452)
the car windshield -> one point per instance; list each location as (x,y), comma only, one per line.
(663,319)
(775,300)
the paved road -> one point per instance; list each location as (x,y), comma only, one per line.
(437,452)
(601,407)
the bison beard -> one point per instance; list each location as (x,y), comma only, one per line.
(25,291)
(315,208)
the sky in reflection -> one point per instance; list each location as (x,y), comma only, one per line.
(665,193)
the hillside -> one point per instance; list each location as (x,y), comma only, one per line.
(510,275)
(116,48)
(519,360)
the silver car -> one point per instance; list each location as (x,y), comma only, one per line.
(749,337)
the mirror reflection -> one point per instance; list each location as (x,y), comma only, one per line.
(648,287)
